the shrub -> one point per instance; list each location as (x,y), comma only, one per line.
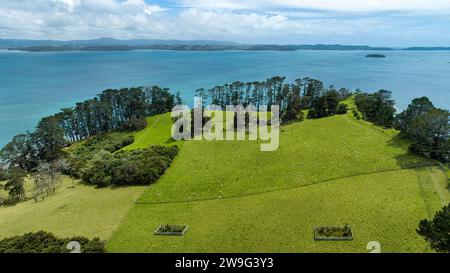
(81,154)
(436,231)
(138,167)
(44,242)
(342,109)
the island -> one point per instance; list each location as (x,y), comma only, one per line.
(375,56)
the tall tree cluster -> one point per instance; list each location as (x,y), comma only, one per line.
(427,128)
(377,107)
(112,109)
(304,93)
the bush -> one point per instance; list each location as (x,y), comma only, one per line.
(80,155)
(135,124)
(138,167)
(342,109)
(44,242)
(436,231)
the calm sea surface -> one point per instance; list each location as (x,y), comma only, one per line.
(33,85)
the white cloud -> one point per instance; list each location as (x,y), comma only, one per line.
(330,5)
(69,19)
(263,21)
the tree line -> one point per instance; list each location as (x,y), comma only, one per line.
(41,152)
(273,91)
(123,109)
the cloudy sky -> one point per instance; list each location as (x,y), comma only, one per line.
(371,22)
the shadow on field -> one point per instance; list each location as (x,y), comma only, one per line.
(409,159)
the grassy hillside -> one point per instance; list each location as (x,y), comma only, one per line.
(83,210)
(158,132)
(310,152)
(75,209)
(330,171)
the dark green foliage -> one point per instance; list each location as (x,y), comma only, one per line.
(95,170)
(377,107)
(273,91)
(375,56)
(430,134)
(325,105)
(437,231)
(135,124)
(417,108)
(356,114)
(293,109)
(171,228)
(49,139)
(81,154)
(124,109)
(44,242)
(27,150)
(21,151)
(138,167)
(345,231)
(113,109)
(15,184)
(342,109)
(427,127)
(313,89)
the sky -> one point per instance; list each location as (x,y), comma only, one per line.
(395,23)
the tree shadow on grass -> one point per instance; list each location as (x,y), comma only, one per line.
(409,159)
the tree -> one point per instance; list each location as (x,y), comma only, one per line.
(429,134)
(293,109)
(437,231)
(325,105)
(49,138)
(15,183)
(418,107)
(21,151)
(342,109)
(312,91)
(45,181)
(377,108)
(95,171)
(178,99)
(427,128)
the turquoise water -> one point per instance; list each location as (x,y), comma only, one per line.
(33,85)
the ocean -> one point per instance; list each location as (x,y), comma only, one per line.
(34,85)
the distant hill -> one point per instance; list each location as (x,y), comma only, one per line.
(427,48)
(111,44)
(17,43)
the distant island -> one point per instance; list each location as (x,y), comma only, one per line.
(111,44)
(375,56)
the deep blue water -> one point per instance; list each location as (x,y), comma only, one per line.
(33,85)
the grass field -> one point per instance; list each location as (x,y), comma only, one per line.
(310,152)
(330,171)
(383,207)
(80,210)
(158,132)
